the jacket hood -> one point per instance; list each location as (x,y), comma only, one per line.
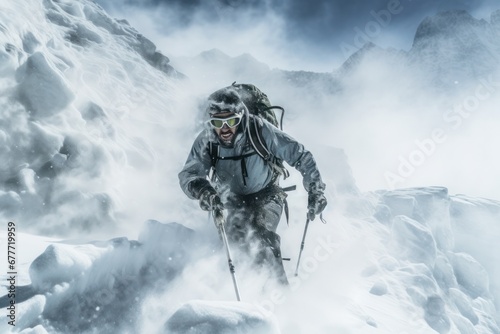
(225,100)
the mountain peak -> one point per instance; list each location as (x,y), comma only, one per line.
(214,55)
(495,18)
(454,47)
(369,51)
(446,24)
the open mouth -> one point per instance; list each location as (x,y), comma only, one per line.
(226,136)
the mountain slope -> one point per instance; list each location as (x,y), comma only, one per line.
(76,88)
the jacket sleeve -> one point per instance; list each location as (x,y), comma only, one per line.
(193,176)
(295,154)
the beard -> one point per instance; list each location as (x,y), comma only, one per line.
(228,138)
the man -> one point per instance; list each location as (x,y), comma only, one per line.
(245,184)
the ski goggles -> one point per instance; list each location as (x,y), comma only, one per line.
(231,121)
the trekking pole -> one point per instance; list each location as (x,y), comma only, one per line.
(219,222)
(302,246)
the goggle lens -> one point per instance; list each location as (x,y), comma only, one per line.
(231,121)
(217,123)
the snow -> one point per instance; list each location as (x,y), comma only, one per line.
(382,286)
(413,241)
(94,126)
(42,90)
(221,317)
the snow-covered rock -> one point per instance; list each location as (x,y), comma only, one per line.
(42,90)
(102,280)
(470,275)
(441,277)
(200,317)
(414,241)
(62,264)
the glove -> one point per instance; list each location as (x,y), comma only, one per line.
(316,204)
(209,200)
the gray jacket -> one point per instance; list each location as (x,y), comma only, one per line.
(193,177)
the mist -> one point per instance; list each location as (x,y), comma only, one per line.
(380,126)
(293,35)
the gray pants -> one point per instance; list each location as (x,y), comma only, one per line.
(251,225)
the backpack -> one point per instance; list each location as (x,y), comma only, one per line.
(258,103)
(258,106)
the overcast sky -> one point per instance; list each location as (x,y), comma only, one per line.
(291,34)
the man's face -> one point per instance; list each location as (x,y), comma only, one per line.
(225,125)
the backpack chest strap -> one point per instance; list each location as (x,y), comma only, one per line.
(214,152)
(215,156)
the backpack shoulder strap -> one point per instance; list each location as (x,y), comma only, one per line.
(256,140)
(259,146)
(258,143)
(213,151)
